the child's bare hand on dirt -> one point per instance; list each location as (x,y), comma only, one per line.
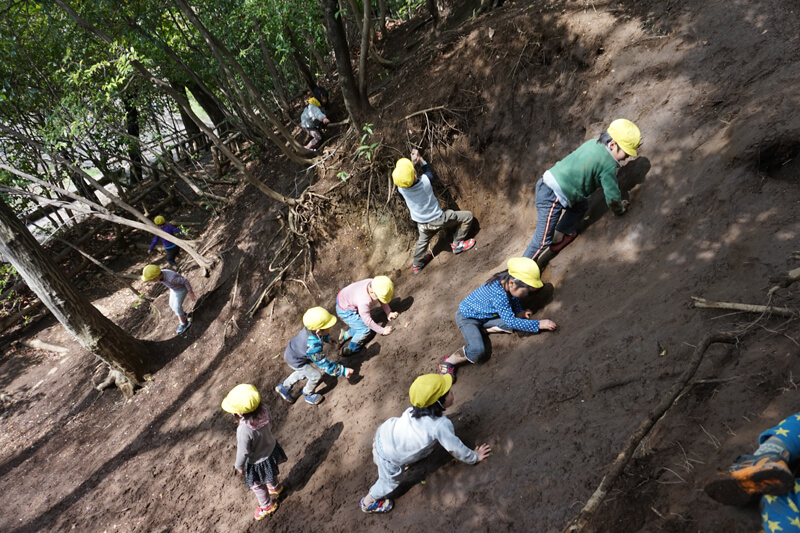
(348,372)
(393,315)
(415,156)
(625,205)
(484,450)
(240,472)
(527,314)
(547,324)
(387,331)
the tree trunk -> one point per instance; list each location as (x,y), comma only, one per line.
(191,128)
(382,21)
(356,108)
(93,331)
(277,81)
(215,113)
(434,9)
(132,127)
(366,31)
(313,49)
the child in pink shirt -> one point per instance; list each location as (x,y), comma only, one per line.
(353,305)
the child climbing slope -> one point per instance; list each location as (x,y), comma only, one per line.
(353,304)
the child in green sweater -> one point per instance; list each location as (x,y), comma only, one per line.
(562,193)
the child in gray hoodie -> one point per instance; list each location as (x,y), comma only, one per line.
(406,439)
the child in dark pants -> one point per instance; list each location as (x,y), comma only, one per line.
(562,192)
(495,307)
(257,452)
(416,190)
(406,439)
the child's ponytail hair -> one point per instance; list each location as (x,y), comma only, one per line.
(504,277)
(433,411)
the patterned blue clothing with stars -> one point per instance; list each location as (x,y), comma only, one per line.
(782,513)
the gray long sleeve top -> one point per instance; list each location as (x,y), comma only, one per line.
(254,440)
(404,440)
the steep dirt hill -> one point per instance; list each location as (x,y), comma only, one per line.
(714,213)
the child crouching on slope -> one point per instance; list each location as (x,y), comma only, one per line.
(257,452)
(304,354)
(495,307)
(413,436)
(352,306)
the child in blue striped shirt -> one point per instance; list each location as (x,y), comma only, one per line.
(495,307)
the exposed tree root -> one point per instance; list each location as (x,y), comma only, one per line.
(702,303)
(115,377)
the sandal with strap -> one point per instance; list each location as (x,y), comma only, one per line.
(447,368)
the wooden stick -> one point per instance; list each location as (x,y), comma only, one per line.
(619,464)
(702,303)
(36,344)
(421,112)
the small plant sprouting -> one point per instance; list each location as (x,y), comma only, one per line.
(367,149)
(343,175)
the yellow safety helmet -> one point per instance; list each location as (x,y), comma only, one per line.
(150,272)
(526,270)
(403,173)
(383,289)
(626,134)
(318,318)
(314,101)
(427,389)
(159,220)
(242,399)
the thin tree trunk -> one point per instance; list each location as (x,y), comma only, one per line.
(356,108)
(94,332)
(313,49)
(434,9)
(191,128)
(366,31)
(277,81)
(132,127)
(382,21)
(185,105)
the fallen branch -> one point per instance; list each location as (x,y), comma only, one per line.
(702,303)
(619,464)
(36,344)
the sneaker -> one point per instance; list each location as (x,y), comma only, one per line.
(314,398)
(555,248)
(285,393)
(347,352)
(497,329)
(378,506)
(751,475)
(447,368)
(343,336)
(183,327)
(276,490)
(462,246)
(261,512)
(425,260)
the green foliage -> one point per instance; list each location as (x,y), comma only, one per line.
(343,175)
(367,148)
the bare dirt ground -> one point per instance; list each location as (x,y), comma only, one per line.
(714,212)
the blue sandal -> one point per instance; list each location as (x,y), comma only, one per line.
(378,506)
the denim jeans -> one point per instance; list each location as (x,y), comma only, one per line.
(308,372)
(172,253)
(359,334)
(176,299)
(473,331)
(552,216)
(449,219)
